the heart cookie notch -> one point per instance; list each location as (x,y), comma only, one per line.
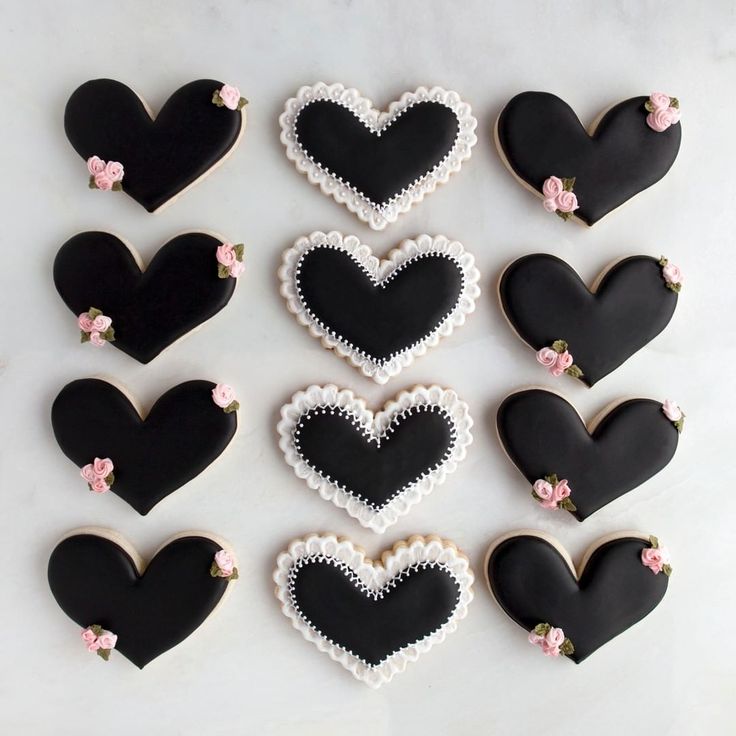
(379,314)
(378,164)
(375,466)
(373,617)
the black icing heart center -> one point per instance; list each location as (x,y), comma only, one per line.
(533,584)
(541,136)
(544,435)
(545,300)
(381,319)
(161,156)
(179,290)
(95,581)
(377,164)
(374,468)
(371,624)
(184,432)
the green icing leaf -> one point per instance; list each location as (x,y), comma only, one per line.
(242,102)
(223,271)
(239,251)
(94,312)
(648,105)
(231,407)
(552,479)
(214,570)
(674,287)
(216,99)
(667,570)
(568,505)
(109,334)
(663,261)
(96,629)
(567,648)
(110,479)
(568,184)
(542,629)
(104,653)
(674,102)
(92,184)
(84,336)
(559,346)
(564,215)
(234,575)
(116,186)
(535,496)
(574,371)
(653,541)
(680,424)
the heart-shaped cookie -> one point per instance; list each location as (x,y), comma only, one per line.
(630,303)
(380,315)
(378,164)
(622,579)
(158,157)
(373,617)
(579,468)
(375,466)
(101,583)
(587,174)
(182,287)
(142,460)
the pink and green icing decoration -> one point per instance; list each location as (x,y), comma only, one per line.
(99,474)
(559,196)
(656,557)
(557,359)
(230,260)
(95,327)
(551,640)
(553,493)
(663,111)
(672,411)
(105,175)
(228,96)
(223,566)
(99,640)
(671,274)
(224,397)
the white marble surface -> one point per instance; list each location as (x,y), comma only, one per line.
(246,670)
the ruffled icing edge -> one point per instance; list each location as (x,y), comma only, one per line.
(330,395)
(375,575)
(378,270)
(375,215)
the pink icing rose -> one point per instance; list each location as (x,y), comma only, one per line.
(671,410)
(661,119)
(107,640)
(560,491)
(230,96)
(223,395)
(226,254)
(88,636)
(535,638)
(95,165)
(655,559)
(96,339)
(85,323)
(98,485)
(550,205)
(659,100)
(672,274)
(88,473)
(555,637)
(103,181)
(552,187)
(545,493)
(562,362)
(114,169)
(236,269)
(547,357)
(102,467)
(225,562)
(101,323)
(566,201)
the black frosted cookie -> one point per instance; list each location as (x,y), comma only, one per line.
(373,617)
(578,468)
(139,610)
(143,311)
(379,314)
(142,460)
(587,174)
(378,164)
(153,159)
(547,303)
(622,579)
(375,466)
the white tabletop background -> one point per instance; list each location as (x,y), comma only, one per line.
(246,670)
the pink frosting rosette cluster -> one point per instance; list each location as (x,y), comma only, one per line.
(224,397)
(551,640)
(99,640)
(99,474)
(104,175)
(671,409)
(559,197)
(95,327)
(550,495)
(230,260)
(223,565)
(664,111)
(656,557)
(555,362)
(228,96)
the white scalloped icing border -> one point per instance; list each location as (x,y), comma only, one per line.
(378,270)
(373,577)
(375,215)
(375,426)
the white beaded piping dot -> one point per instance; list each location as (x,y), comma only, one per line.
(377,215)
(380,272)
(375,428)
(374,579)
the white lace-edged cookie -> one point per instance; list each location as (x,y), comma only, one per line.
(333,442)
